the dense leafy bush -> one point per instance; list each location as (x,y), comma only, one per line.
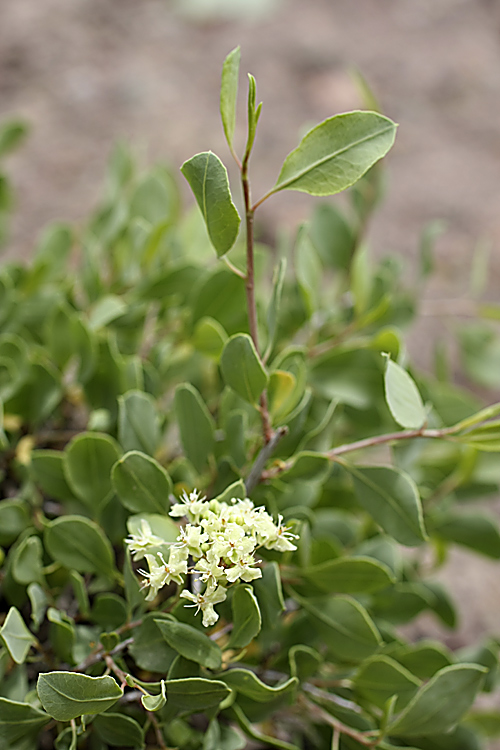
(180,429)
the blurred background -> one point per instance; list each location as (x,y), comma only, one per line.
(85,73)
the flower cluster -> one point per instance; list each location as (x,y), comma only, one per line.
(217,545)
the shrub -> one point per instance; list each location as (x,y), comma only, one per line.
(197,553)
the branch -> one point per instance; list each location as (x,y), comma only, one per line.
(267,451)
(391,437)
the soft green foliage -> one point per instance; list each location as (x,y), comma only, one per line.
(223,492)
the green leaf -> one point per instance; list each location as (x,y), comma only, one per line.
(473,530)
(235,490)
(149,649)
(196,426)
(391,497)
(109,611)
(80,591)
(441,703)
(403,398)
(359,575)
(209,182)
(161,525)
(304,661)
(252,732)
(14,518)
(155,702)
(483,438)
(18,720)
(27,561)
(138,422)
(141,483)
(190,643)
(38,600)
(247,620)
(350,634)
(67,695)
(380,677)
(248,684)
(80,544)
(307,465)
(106,310)
(336,153)
(88,461)
(229,93)
(17,638)
(48,469)
(481,416)
(422,659)
(242,369)
(308,269)
(195,694)
(209,338)
(269,595)
(62,634)
(119,730)
(332,236)
(273,311)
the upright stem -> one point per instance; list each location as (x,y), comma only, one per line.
(250,288)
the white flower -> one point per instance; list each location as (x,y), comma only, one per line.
(281,541)
(190,539)
(209,569)
(205,602)
(192,506)
(244,569)
(161,574)
(142,541)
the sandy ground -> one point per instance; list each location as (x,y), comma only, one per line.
(86,72)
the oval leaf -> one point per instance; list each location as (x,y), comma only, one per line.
(196,425)
(209,182)
(88,461)
(242,369)
(247,620)
(441,703)
(18,720)
(391,497)
(190,643)
(380,677)
(359,575)
(403,398)
(79,544)
(336,153)
(138,422)
(345,625)
(119,730)
(229,93)
(66,695)
(141,483)
(195,693)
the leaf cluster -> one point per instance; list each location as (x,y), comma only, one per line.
(145,365)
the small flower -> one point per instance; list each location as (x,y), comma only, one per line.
(192,505)
(244,569)
(209,569)
(205,602)
(142,541)
(282,537)
(161,574)
(190,539)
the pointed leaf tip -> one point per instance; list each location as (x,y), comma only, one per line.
(336,153)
